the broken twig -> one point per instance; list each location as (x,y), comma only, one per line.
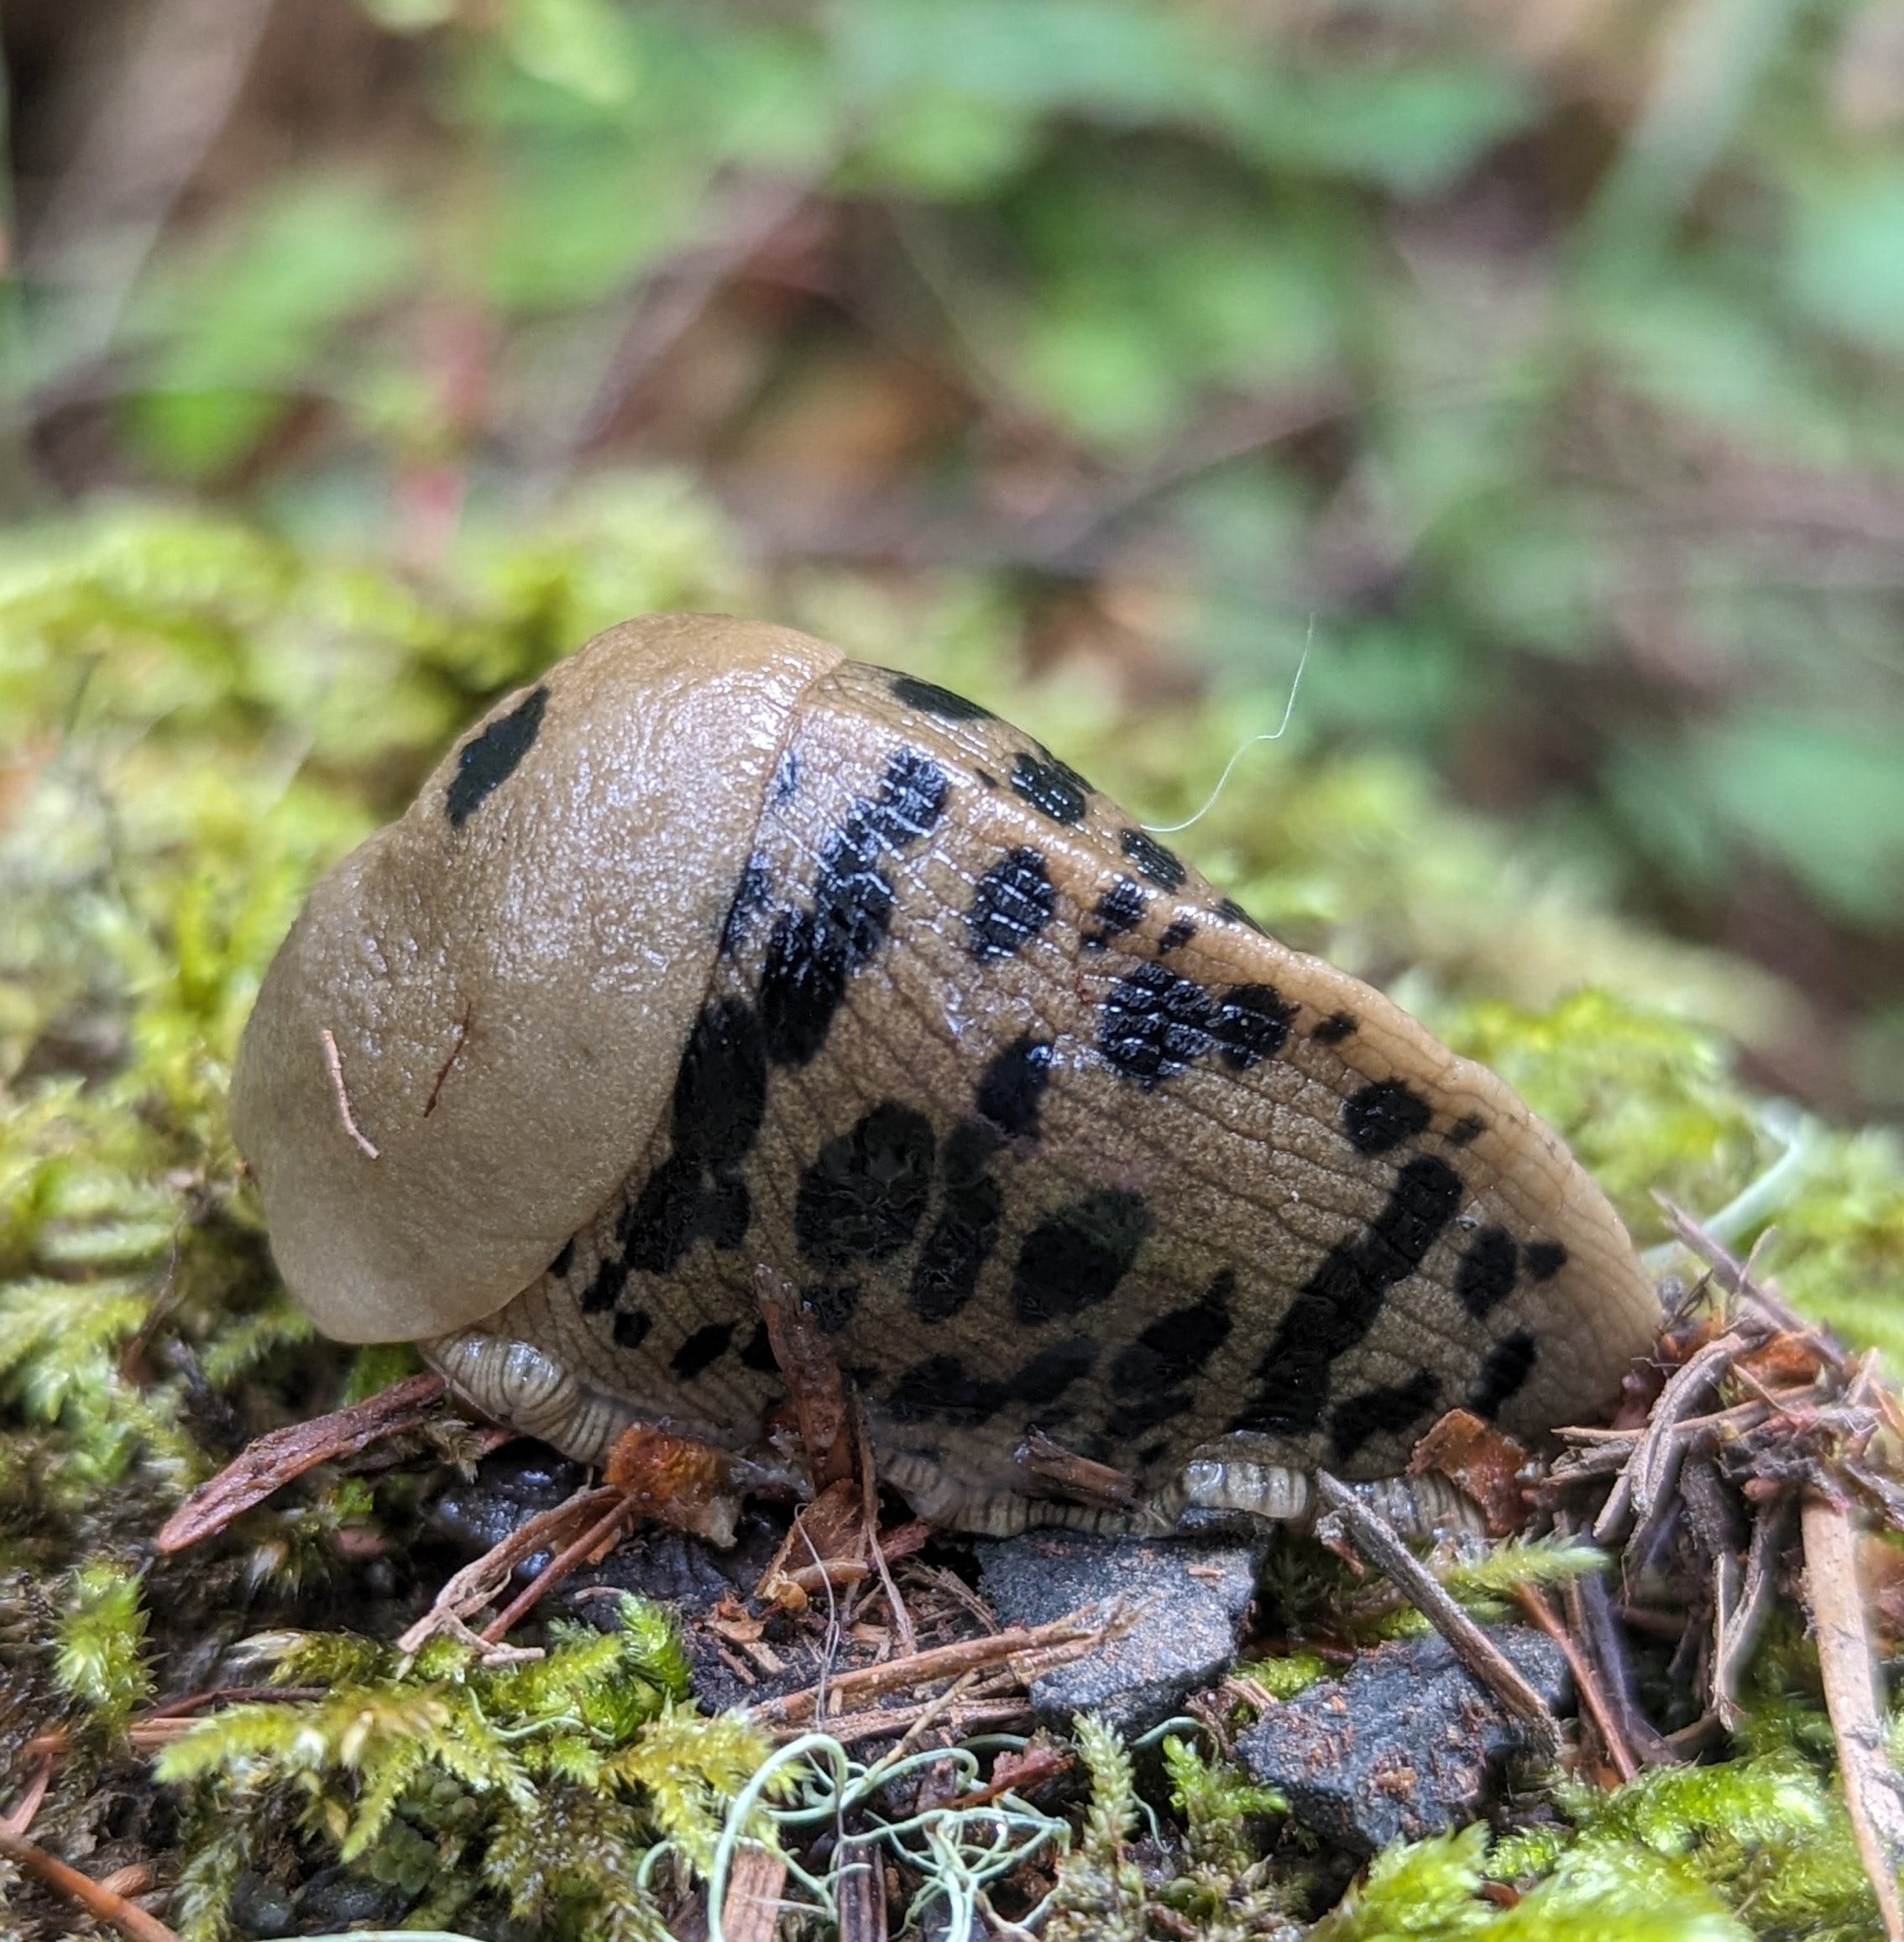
(269,1461)
(1484,1660)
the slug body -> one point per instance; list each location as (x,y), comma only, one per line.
(714,949)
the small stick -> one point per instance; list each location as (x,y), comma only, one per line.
(1484,1660)
(1064,1636)
(1656,1457)
(1586,1681)
(1871,1785)
(1740,1631)
(481,1582)
(1590,1612)
(98,1900)
(751,1910)
(19,1817)
(269,1461)
(559,1565)
(869,1512)
(335,1062)
(975,1715)
(815,1384)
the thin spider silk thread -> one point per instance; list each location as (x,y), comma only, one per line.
(1243,748)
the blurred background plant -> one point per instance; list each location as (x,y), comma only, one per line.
(1542,362)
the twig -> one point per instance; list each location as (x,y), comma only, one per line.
(974,1715)
(1066,1637)
(272,1460)
(600,1532)
(815,1384)
(1871,1785)
(1590,1612)
(98,1900)
(334,1060)
(1734,1276)
(1484,1660)
(749,1911)
(481,1583)
(869,1510)
(19,1817)
(1586,1681)
(1648,1476)
(1738,1630)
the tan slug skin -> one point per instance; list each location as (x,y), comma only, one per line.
(714,949)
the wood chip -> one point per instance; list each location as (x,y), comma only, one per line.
(273,1460)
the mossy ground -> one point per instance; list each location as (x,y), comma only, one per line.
(198,718)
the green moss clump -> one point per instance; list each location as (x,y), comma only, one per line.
(542,1789)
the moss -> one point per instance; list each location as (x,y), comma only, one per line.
(200,716)
(541,1786)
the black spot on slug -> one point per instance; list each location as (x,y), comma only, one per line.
(862,1197)
(1075,1258)
(1152,860)
(912,799)
(604,1288)
(1052,787)
(1153,1022)
(1507,1366)
(1053,1370)
(484,763)
(1013,1084)
(1545,1260)
(1466,1128)
(1393,1407)
(1334,1029)
(1138,1415)
(971,1207)
(930,696)
(1232,912)
(750,897)
(1180,931)
(1119,909)
(831,1303)
(631,1326)
(720,1090)
(702,1349)
(1253,1022)
(1340,1301)
(987,779)
(1381,1116)
(1176,1346)
(678,1207)
(1011,904)
(756,1351)
(558,1268)
(943,1388)
(787,776)
(1484,1276)
(812,955)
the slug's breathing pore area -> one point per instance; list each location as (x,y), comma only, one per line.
(714,950)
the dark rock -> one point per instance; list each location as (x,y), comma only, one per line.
(259,1906)
(1189,1598)
(334,1899)
(1400,1744)
(509,1488)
